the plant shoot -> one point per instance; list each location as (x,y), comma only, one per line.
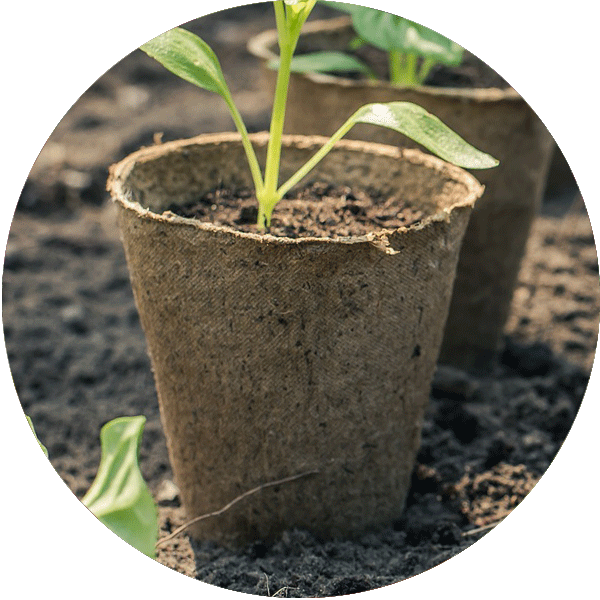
(189,57)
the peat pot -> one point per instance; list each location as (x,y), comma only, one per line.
(275,357)
(497,121)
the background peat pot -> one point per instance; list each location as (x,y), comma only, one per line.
(278,356)
(495,120)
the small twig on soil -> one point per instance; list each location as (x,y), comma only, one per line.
(230,504)
(481,529)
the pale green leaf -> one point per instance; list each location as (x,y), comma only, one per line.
(36,437)
(324,62)
(412,121)
(426,129)
(390,32)
(119,497)
(189,57)
(342,6)
(296,13)
(301,6)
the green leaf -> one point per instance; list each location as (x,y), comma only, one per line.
(356,43)
(296,13)
(426,129)
(342,6)
(324,62)
(36,437)
(414,122)
(300,6)
(390,32)
(119,497)
(190,58)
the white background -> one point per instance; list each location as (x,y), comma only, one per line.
(52,52)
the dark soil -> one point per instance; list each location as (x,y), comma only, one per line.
(316,210)
(472,72)
(78,355)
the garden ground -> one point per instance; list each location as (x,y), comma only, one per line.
(78,356)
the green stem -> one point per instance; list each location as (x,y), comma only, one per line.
(318,156)
(403,68)
(395,62)
(277,121)
(281,20)
(247,145)
(289,24)
(426,66)
(411,69)
(268,197)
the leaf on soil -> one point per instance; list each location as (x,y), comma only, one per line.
(119,497)
(36,437)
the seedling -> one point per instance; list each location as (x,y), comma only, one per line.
(412,50)
(189,57)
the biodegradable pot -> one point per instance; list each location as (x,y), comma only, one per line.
(276,356)
(497,121)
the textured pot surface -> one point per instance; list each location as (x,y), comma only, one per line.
(497,121)
(275,356)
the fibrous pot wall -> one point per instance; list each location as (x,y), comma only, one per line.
(275,356)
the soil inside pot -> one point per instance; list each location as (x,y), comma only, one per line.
(315,210)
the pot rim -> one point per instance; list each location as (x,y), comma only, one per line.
(260,44)
(120,170)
